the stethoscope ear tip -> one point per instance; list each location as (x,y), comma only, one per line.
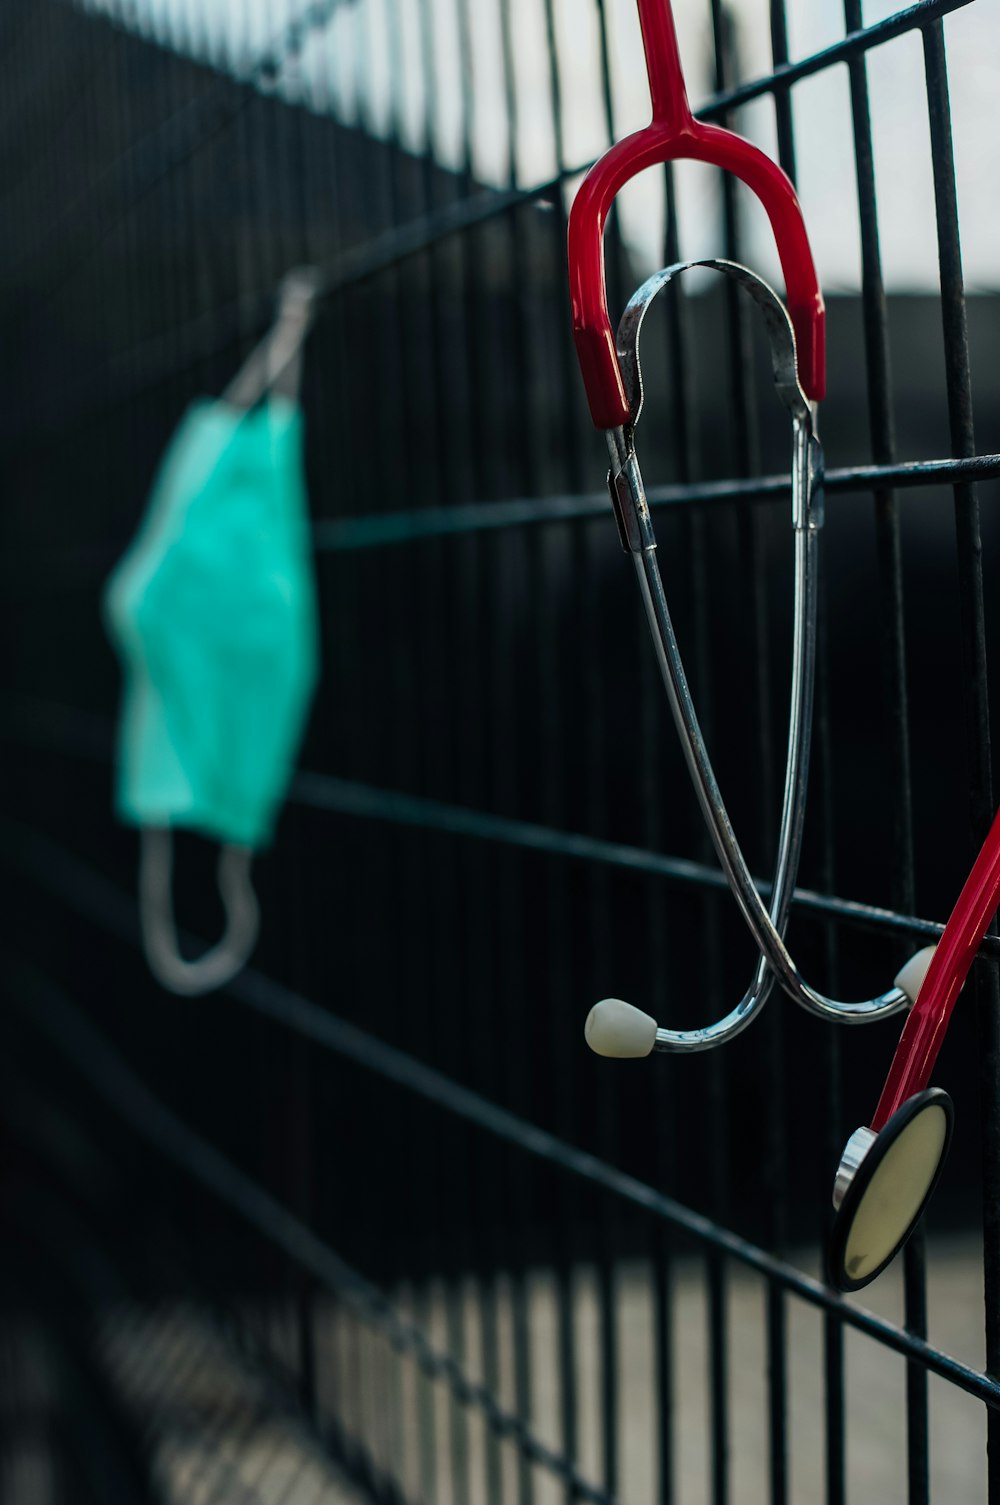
(910,976)
(618,1029)
(884,1182)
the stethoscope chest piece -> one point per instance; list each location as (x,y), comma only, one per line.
(883,1184)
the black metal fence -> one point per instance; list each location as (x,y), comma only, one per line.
(373,1218)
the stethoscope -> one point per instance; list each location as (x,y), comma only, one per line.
(912,1124)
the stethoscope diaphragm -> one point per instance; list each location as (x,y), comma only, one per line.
(884,1183)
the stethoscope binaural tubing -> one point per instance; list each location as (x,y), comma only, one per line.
(632,513)
(807,518)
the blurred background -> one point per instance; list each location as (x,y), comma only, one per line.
(371,1223)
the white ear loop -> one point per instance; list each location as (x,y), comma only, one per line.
(159,931)
(275,364)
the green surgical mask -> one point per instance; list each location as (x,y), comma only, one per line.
(213,613)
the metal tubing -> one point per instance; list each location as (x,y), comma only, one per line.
(761,924)
(638,537)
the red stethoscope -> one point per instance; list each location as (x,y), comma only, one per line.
(889,1168)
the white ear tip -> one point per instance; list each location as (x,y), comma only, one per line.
(615,1028)
(910,976)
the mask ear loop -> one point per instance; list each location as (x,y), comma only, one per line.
(274,365)
(159,932)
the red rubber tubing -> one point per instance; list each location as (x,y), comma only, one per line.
(674,134)
(924,1030)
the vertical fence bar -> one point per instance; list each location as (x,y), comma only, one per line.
(835,1462)
(522,448)
(678,348)
(491,930)
(973,633)
(445,481)
(892,637)
(777,1113)
(743,408)
(569,451)
(590,549)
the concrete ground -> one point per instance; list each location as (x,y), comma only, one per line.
(875,1399)
(217,1440)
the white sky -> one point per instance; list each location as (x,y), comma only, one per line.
(367,64)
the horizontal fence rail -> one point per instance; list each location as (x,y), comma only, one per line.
(48,727)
